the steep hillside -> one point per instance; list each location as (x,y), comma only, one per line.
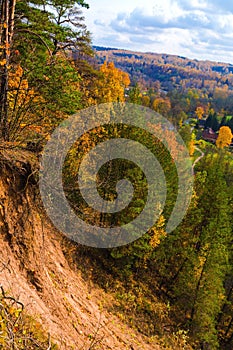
(34,269)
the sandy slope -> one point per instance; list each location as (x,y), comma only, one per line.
(34,270)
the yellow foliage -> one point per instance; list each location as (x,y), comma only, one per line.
(191,148)
(3,62)
(112,87)
(22,100)
(224,138)
(145,101)
(199,112)
(157,232)
(18,87)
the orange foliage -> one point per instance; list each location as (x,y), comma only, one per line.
(162,106)
(169,139)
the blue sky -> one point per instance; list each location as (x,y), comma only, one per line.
(201,29)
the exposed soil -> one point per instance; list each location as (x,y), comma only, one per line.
(35,271)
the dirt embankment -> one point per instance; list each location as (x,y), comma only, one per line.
(35,271)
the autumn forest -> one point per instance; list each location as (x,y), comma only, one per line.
(174,289)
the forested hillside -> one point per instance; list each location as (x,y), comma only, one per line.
(177,87)
(164,290)
(169,70)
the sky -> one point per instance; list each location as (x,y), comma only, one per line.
(198,29)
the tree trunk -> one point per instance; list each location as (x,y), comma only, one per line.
(6,36)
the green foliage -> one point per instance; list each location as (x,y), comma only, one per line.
(134,95)
(45,34)
(212,122)
(108,176)
(214,246)
(191,267)
(194,259)
(186,134)
(58,23)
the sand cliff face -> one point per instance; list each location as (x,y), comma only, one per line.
(34,269)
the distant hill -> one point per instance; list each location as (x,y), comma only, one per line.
(170,71)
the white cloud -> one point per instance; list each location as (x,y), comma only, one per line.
(193,28)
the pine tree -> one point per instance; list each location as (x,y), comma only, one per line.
(37,38)
(214,242)
(212,122)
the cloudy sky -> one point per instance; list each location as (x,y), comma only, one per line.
(201,29)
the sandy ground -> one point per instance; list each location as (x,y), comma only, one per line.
(35,271)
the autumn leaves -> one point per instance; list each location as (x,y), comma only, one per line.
(224,137)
